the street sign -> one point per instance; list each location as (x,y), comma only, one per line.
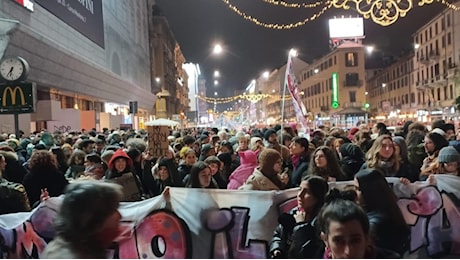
(17,98)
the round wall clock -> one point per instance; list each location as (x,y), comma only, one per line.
(14,69)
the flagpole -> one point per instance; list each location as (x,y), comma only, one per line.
(292,52)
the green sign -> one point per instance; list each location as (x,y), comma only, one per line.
(17,98)
(335,90)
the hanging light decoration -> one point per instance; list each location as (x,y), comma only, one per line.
(382,12)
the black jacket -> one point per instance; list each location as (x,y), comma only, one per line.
(386,235)
(295,240)
(300,171)
(350,166)
(38,179)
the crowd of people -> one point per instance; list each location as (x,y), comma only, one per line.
(362,221)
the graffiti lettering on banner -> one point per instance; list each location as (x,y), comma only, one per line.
(212,223)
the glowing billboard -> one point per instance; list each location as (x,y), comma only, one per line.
(340,28)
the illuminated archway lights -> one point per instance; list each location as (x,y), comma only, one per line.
(382,12)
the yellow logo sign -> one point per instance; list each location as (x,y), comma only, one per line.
(13,96)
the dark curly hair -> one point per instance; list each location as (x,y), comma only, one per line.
(43,159)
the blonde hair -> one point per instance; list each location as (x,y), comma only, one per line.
(373,155)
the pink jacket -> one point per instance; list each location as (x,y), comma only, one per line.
(248,160)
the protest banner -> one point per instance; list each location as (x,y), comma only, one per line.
(158,140)
(211,223)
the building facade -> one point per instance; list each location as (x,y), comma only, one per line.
(392,93)
(86,73)
(436,66)
(336,78)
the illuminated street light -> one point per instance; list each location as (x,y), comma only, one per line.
(157,80)
(369,49)
(217,49)
(216,74)
(416,46)
(266,74)
(316,71)
(273,91)
(215,93)
(216,82)
(253,81)
(365,93)
(384,85)
(293,52)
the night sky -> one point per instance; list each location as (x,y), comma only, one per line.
(252,49)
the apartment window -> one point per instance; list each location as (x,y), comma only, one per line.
(449,39)
(443,42)
(351,79)
(330,62)
(438,92)
(448,20)
(445,93)
(431,33)
(412,97)
(436,28)
(351,59)
(443,24)
(352,96)
(451,90)
(335,60)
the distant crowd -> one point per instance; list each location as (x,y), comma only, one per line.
(363,221)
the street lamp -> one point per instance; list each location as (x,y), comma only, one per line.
(216,74)
(216,82)
(217,49)
(266,74)
(369,49)
(293,52)
(416,46)
(215,93)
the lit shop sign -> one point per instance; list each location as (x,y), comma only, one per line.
(26,3)
(335,90)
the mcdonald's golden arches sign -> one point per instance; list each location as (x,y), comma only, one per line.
(17,98)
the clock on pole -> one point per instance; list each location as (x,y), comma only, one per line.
(14,69)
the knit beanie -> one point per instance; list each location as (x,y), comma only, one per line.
(448,154)
(267,159)
(268,133)
(399,140)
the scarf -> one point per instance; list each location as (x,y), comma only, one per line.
(295,159)
(385,164)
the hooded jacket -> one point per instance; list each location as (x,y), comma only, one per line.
(240,175)
(112,174)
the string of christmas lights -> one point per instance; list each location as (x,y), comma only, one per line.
(293,5)
(383,14)
(327,5)
(254,98)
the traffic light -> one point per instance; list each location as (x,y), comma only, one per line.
(366,105)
